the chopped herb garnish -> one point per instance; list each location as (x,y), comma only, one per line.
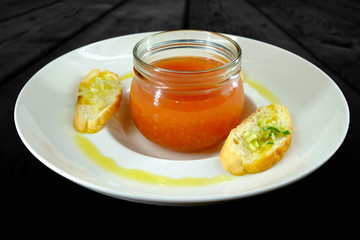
(286,132)
(269,131)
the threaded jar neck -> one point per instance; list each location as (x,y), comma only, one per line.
(186,43)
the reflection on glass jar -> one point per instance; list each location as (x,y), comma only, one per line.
(187,92)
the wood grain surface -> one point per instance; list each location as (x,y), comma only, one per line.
(33,33)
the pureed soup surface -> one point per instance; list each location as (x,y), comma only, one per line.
(184,120)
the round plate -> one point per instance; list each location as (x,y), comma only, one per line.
(45,107)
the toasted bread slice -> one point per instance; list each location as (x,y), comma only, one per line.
(99,97)
(259,142)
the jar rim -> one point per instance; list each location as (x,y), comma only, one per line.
(233,61)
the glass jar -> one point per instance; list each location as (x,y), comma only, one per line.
(187,93)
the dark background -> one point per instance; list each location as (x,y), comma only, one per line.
(32,33)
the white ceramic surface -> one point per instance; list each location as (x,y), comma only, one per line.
(44,120)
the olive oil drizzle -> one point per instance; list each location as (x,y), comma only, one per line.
(263,91)
(109,164)
(126,76)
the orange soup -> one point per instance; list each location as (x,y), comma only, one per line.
(188,111)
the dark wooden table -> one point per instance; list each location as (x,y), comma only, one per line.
(32,33)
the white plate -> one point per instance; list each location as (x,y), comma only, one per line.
(45,107)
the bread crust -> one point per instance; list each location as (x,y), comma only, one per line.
(237,165)
(85,125)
